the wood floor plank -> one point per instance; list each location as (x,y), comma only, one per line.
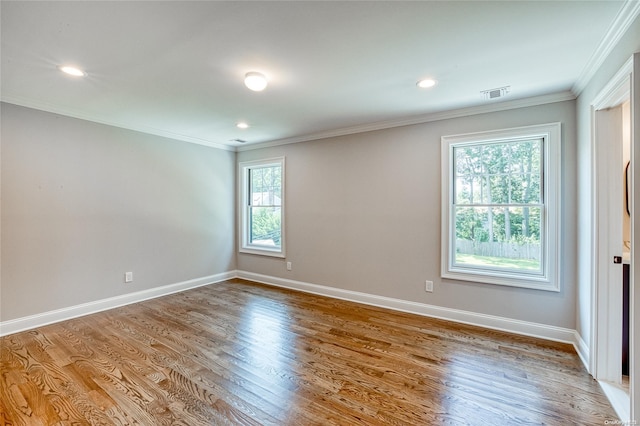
(241,353)
(172,363)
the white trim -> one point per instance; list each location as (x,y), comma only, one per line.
(619,400)
(617,89)
(493,322)
(549,279)
(582,349)
(593,249)
(419,119)
(634,277)
(50,317)
(605,336)
(623,20)
(244,245)
(381,125)
(525,328)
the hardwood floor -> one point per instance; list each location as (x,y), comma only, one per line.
(238,353)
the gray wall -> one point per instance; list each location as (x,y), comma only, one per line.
(83,203)
(363,214)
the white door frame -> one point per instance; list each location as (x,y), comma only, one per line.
(634,279)
(606,336)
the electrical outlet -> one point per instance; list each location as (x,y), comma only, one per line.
(288,266)
(428,286)
(128,277)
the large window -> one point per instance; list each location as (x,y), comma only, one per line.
(501,206)
(262,207)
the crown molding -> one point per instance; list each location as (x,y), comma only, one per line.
(621,23)
(369,127)
(69,112)
(419,119)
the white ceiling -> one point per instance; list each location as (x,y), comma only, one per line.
(175,68)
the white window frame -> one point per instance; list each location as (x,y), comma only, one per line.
(245,246)
(550,234)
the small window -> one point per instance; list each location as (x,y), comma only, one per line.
(262,207)
(500,207)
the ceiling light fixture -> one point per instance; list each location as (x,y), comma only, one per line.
(426,83)
(255,81)
(242,125)
(76,72)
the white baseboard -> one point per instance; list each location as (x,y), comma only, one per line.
(526,328)
(487,321)
(620,401)
(582,349)
(39,320)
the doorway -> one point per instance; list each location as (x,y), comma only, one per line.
(611,118)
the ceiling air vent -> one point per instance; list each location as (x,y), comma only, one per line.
(238,140)
(495,93)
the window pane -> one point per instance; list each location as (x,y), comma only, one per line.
(498,238)
(265,226)
(496,158)
(266,185)
(525,188)
(472,189)
(467,160)
(498,173)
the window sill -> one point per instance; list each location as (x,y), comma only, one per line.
(262,252)
(503,280)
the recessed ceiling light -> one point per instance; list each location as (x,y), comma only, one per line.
(426,83)
(255,81)
(242,125)
(76,72)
